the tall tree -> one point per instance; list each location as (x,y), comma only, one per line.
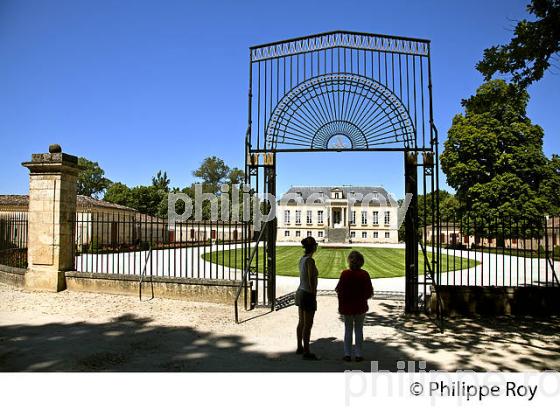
(493,155)
(550,186)
(91,179)
(529,53)
(236,176)
(213,172)
(160,181)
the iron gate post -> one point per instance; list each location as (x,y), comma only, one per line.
(270,172)
(411,236)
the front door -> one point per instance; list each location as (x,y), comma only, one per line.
(336,218)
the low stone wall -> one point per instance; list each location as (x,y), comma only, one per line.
(495,301)
(12,276)
(192,289)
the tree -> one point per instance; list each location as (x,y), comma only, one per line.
(550,186)
(91,179)
(529,52)
(118,193)
(448,207)
(160,181)
(213,172)
(236,176)
(146,199)
(493,156)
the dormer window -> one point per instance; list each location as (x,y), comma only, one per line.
(337,195)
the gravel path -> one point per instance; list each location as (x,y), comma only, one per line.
(93,332)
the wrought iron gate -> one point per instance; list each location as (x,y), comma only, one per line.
(373,90)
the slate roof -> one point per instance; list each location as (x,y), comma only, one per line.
(348,192)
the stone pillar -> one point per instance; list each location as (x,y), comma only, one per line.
(52,214)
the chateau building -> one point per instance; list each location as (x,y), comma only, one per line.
(345,214)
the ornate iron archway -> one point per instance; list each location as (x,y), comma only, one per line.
(375,91)
(362,109)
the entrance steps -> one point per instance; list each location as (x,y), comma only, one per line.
(337,235)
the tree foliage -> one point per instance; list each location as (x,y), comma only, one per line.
(493,155)
(160,181)
(529,53)
(212,172)
(236,176)
(550,186)
(91,179)
(153,199)
(118,193)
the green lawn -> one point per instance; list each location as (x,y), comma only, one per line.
(380,262)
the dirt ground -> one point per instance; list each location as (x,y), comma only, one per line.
(92,332)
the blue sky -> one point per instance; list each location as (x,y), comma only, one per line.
(146,85)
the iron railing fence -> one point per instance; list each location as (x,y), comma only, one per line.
(118,243)
(510,251)
(13,239)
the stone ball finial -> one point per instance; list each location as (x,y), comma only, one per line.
(55,149)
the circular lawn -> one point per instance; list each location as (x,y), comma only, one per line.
(380,262)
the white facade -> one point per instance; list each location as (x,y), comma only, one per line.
(337,214)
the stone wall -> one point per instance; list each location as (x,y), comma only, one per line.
(192,289)
(12,276)
(496,301)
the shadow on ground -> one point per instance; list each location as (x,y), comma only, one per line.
(137,343)
(131,343)
(477,343)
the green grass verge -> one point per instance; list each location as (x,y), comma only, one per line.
(380,262)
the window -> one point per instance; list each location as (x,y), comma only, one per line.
(309,217)
(320,234)
(375,217)
(192,233)
(376,235)
(298,234)
(298,217)
(352,234)
(514,241)
(387,217)
(286,217)
(364,217)
(319,217)
(337,195)
(353,218)
(364,235)
(213,234)
(286,233)
(309,233)
(387,235)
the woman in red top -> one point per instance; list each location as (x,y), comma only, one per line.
(354,289)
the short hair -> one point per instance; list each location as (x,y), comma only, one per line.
(355,260)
